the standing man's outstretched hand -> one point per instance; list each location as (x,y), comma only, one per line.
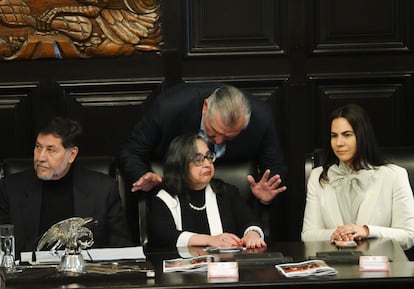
(266,188)
(147,182)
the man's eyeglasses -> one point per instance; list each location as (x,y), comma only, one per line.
(198,159)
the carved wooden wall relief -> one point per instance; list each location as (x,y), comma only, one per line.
(31,29)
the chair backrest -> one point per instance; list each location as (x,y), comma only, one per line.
(312,160)
(233,173)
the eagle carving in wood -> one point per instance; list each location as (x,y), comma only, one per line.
(78,28)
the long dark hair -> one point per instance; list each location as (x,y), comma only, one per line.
(367,153)
(176,163)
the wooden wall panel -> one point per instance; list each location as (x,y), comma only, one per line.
(16,117)
(234,27)
(384,97)
(108,110)
(360,26)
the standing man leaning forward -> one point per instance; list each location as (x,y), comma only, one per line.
(239,125)
(57,189)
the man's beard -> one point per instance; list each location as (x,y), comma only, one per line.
(56,172)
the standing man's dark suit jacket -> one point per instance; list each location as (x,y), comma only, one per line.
(95,195)
(178,111)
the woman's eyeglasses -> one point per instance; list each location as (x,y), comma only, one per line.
(198,159)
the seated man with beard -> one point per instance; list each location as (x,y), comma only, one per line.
(57,189)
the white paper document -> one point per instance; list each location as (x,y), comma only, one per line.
(99,254)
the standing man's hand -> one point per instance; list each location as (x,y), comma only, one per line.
(147,182)
(267,188)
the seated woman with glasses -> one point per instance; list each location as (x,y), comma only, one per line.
(194,209)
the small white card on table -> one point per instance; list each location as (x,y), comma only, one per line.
(374,263)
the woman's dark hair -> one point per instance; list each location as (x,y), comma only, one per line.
(176,163)
(68,130)
(367,151)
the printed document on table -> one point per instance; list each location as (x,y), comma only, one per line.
(306,268)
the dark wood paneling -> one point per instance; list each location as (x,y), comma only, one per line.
(16,118)
(234,27)
(383,96)
(360,26)
(107,109)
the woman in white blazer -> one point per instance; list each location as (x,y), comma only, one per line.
(356,194)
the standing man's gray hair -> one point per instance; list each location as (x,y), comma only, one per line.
(231,103)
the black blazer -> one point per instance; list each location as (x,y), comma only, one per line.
(178,111)
(95,195)
(235,216)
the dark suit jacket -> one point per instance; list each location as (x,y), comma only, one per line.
(235,216)
(178,111)
(95,195)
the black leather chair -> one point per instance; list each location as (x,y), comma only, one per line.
(402,156)
(234,173)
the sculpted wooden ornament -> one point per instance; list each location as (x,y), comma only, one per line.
(31,29)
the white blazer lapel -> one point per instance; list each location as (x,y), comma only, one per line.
(213,215)
(174,206)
